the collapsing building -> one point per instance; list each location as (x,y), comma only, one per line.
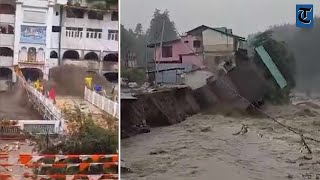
(202,47)
(216,58)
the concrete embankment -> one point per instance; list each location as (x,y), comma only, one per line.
(159,108)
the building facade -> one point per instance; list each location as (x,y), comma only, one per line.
(40,34)
(202,47)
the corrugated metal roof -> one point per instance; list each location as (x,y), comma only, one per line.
(267,60)
(126,96)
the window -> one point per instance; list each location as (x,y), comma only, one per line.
(95,15)
(114,16)
(56,28)
(196,44)
(53,54)
(167,51)
(74,32)
(75,13)
(186,42)
(57,13)
(113,35)
(94,33)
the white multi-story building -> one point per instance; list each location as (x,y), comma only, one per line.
(41,34)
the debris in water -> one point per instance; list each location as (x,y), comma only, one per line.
(243,130)
(205,129)
(158,152)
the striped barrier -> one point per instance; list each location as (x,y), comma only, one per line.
(36,162)
(59,176)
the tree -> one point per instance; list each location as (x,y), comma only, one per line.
(285,62)
(134,42)
(84,136)
(154,31)
(302,43)
(102,4)
(138,29)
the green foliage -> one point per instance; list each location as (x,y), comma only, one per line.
(283,60)
(136,41)
(154,31)
(102,4)
(303,43)
(133,74)
(87,137)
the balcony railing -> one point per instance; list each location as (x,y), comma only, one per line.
(31,62)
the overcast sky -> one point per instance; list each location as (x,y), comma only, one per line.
(243,16)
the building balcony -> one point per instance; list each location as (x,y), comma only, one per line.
(6,61)
(7,18)
(26,62)
(6,39)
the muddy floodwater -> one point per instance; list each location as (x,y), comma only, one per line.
(14,105)
(204,147)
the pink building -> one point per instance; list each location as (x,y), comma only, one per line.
(201,48)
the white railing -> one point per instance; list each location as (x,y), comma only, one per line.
(102,102)
(48,103)
(40,126)
(45,106)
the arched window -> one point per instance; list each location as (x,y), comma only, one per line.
(23,54)
(40,55)
(71,54)
(32,53)
(7,9)
(5,51)
(53,54)
(32,74)
(91,56)
(111,58)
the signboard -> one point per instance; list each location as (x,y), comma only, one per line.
(34,17)
(33,34)
(275,72)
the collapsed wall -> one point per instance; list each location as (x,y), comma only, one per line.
(167,107)
(159,108)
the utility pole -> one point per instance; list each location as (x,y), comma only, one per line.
(100,63)
(160,54)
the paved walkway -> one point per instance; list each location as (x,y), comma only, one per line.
(71,101)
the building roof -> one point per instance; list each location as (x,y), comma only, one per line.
(203,27)
(126,96)
(197,29)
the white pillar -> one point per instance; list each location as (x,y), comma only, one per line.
(48,39)
(14,77)
(17,31)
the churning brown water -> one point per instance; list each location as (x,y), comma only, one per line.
(14,105)
(204,147)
